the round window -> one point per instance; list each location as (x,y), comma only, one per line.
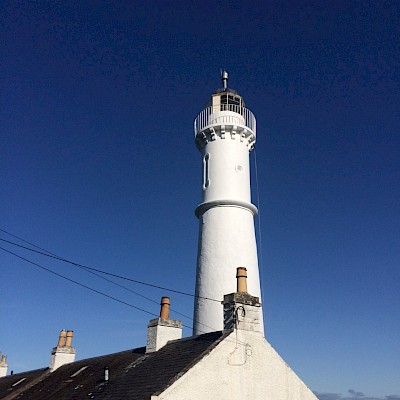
(239,168)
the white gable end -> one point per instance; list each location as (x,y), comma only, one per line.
(244,367)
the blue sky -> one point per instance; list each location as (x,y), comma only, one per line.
(98,165)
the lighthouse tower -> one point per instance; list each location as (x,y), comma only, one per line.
(225,133)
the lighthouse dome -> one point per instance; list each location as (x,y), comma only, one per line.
(226,99)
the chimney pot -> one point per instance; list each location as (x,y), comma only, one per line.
(165,304)
(241,276)
(62,338)
(68,341)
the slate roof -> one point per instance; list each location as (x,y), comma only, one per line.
(133,374)
(14,384)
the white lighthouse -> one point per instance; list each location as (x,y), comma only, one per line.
(225,133)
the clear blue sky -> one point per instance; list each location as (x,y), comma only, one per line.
(98,165)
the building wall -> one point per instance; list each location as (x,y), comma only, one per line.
(246,368)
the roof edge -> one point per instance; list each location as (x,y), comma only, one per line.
(32,383)
(194,362)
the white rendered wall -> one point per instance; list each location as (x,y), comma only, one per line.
(160,331)
(229,170)
(3,370)
(62,355)
(226,221)
(249,369)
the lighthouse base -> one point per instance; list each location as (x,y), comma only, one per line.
(226,241)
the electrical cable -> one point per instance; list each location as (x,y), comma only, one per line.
(90,270)
(98,291)
(84,286)
(48,254)
(95,290)
(95,274)
(76,282)
(25,241)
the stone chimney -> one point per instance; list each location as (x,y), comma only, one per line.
(242,310)
(63,353)
(3,366)
(163,329)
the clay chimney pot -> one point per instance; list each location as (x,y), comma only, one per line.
(62,338)
(165,304)
(241,276)
(68,341)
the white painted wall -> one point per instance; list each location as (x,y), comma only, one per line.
(3,365)
(229,170)
(247,369)
(61,356)
(3,370)
(160,331)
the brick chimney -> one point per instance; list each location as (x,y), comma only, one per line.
(163,329)
(242,310)
(3,366)
(63,353)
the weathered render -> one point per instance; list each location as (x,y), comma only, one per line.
(240,367)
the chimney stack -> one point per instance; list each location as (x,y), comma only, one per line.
(242,310)
(163,329)
(63,353)
(3,366)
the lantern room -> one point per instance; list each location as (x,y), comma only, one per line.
(226,99)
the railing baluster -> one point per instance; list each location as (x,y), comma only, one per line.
(203,119)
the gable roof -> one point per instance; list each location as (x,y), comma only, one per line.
(132,373)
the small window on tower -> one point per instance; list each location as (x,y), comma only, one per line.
(206,171)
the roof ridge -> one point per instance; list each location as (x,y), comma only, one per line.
(194,337)
(107,355)
(26,372)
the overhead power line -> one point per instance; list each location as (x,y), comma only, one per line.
(95,290)
(51,255)
(90,272)
(76,282)
(236,341)
(98,275)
